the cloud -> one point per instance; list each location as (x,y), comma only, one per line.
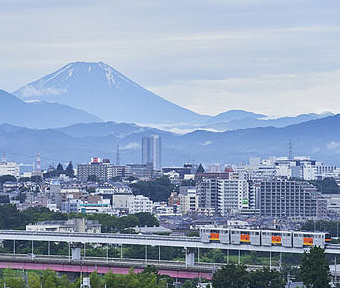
(207,55)
(131,146)
(30,91)
(274,95)
(333,145)
(206,143)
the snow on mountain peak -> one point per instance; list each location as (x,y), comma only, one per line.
(101,90)
(109,73)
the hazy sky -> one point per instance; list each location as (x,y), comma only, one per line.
(279,57)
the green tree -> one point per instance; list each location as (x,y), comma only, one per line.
(7,178)
(265,278)
(10,217)
(62,282)
(315,269)
(157,190)
(49,279)
(146,219)
(33,280)
(230,276)
(326,186)
(95,280)
(15,282)
(60,168)
(69,170)
(21,197)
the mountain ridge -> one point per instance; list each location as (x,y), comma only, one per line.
(318,138)
(101,90)
(40,115)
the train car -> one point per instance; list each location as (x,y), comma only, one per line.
(212,234)
(245,236)
(310,239)
(276,238)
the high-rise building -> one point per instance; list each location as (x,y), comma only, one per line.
(152,151)
(233,195)
(207,189)
(101,168)
(290,199)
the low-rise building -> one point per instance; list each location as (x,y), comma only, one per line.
(9,168)
(94,208)
(139,203)
(80,225)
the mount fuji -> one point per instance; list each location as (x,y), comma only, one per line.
(101,90)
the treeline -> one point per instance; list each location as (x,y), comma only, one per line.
(314,272)
(12,218)
(326,186)
(157,190)
(149,278)
(237,276)
(329,226)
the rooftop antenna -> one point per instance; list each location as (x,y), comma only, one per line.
(117,156)
(290,152)
(38,162)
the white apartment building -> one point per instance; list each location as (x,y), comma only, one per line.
(301,167)
(233,195)
(188,199)
(9,168)
(93,208)
(139,203)
(117,193)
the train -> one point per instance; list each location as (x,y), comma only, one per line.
(294,239)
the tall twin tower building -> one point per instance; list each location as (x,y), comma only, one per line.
(152,151)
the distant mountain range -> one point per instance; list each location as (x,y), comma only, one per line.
(253,122)
(101,90)
(41,114)
(319,139)
(72,102)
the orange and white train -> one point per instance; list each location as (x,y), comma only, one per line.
(264,237)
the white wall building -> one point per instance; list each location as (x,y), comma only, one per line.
(72,225)
(188,199)
(233,195)
(93,208)
(139,203)
(9,168)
